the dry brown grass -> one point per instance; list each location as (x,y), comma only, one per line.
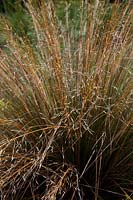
(66,115)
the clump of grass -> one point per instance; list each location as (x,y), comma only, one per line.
(66,126)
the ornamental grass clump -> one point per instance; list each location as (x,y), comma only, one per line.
(65,104)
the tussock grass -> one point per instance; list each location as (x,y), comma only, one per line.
(65,108)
